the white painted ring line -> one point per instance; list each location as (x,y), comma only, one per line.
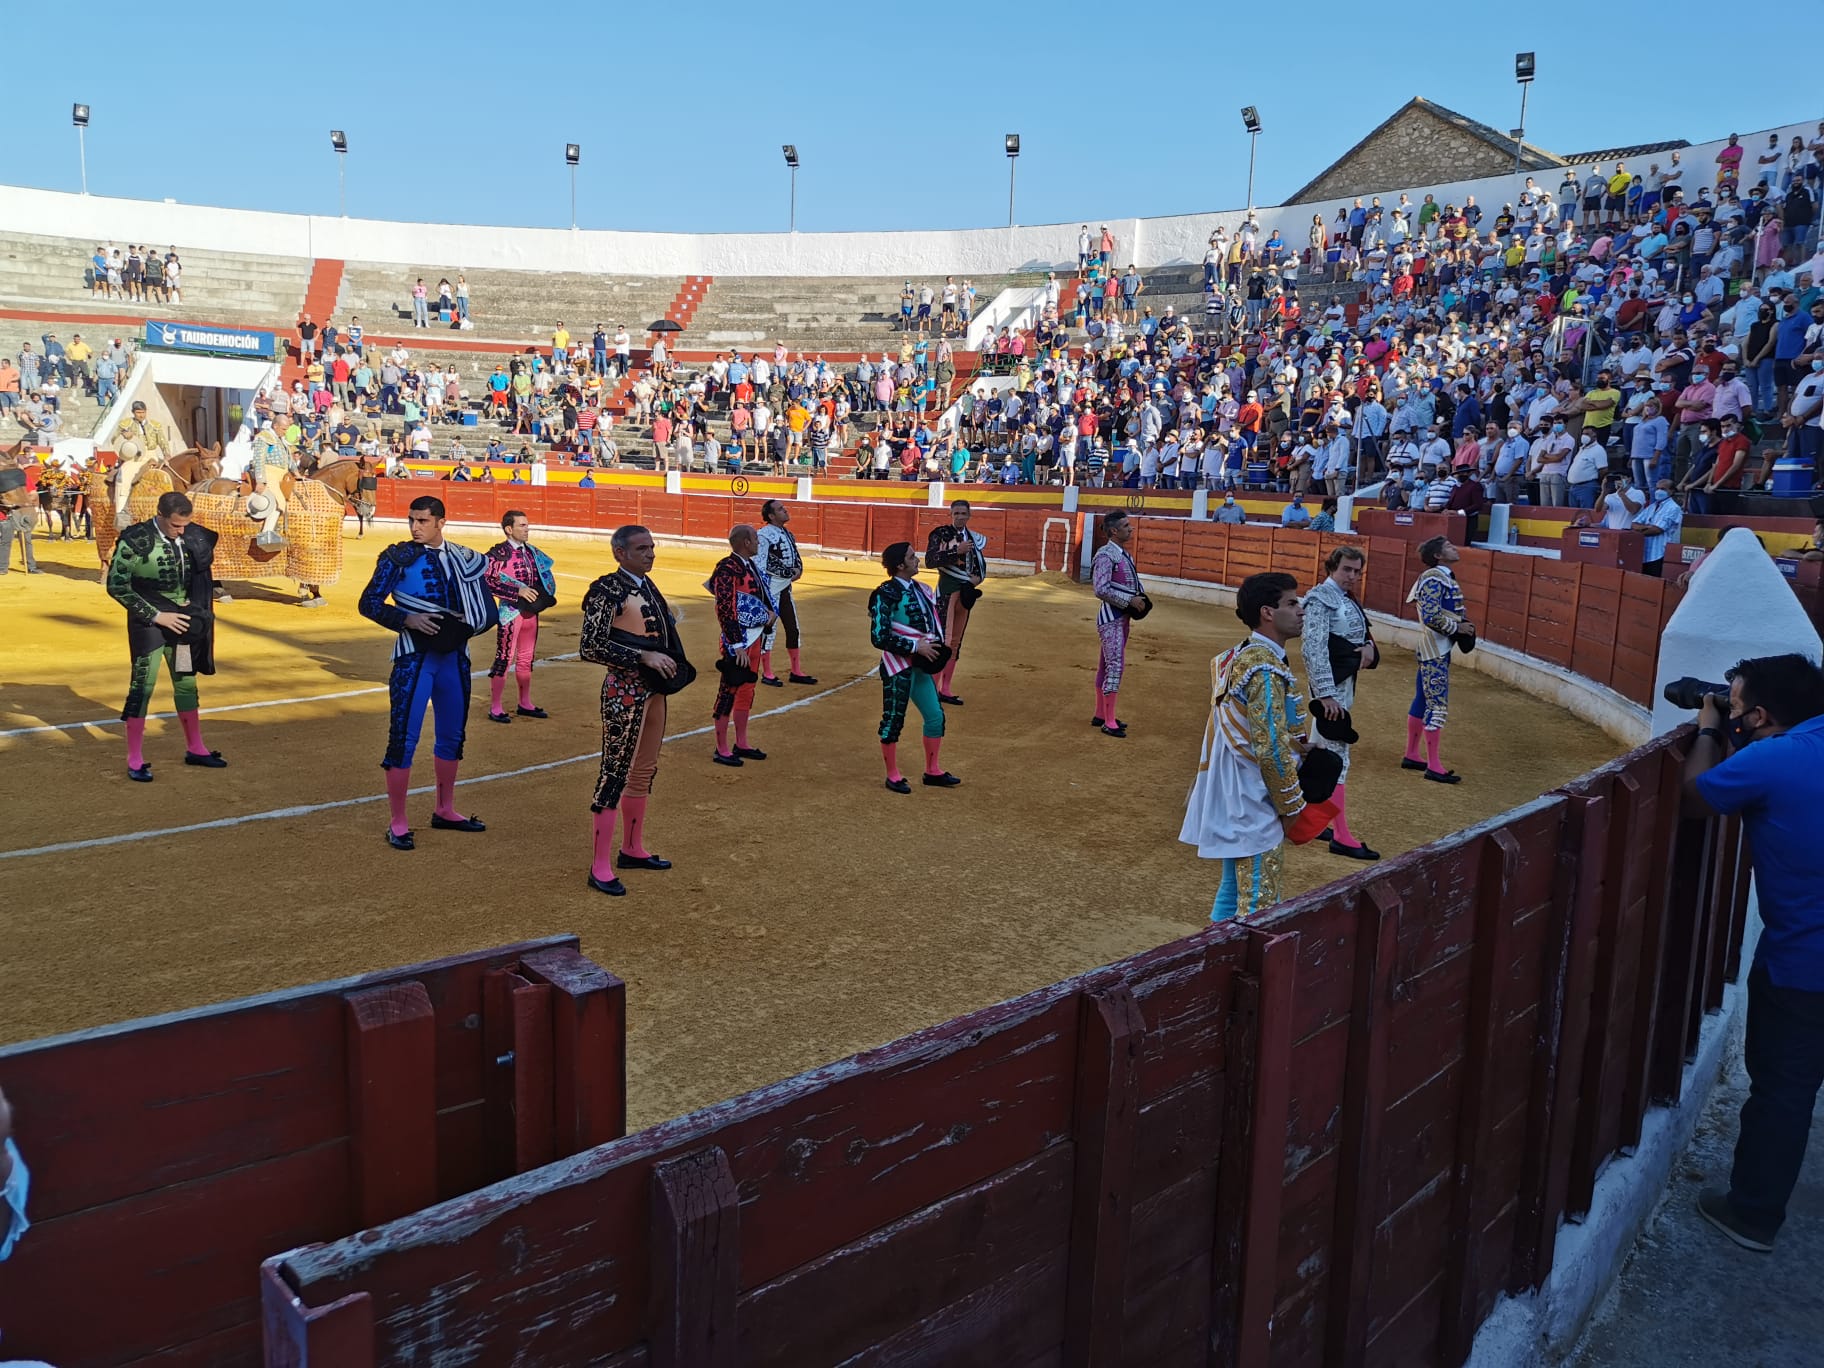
(244,707)
(306,809)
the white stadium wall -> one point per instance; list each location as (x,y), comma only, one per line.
(984,251)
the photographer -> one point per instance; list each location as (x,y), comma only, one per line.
(1759,754)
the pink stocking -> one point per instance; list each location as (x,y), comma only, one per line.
(722,736)
(523,676)
(496,687)
(446,790)
(193,732)
(136,740)
(1414,726)
(1339,824)
(889,751)
(792,651)
(398,784)
(933,744)
(633,826)
(766,664)
(1108,708)
(1432,741)
(603,865)
(741,729)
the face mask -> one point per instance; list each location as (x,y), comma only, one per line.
(1817,365)
(1557,427)
(1687,299)
(1740,733)
(1659,496)
(1513,432)
(12,1202)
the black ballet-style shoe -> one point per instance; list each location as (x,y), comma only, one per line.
(772,681)
(213,760)
(398,842)
(1353,852)
(732,761)
(465,824)
(532,712)
(626,861)
(1118,731)
(1327,834)
(899,785)
(1443,776)
(951,699)
(142,775)
(499,717)
(944,780)
(750,752)
(1411,764)
(797,678)
(614,888)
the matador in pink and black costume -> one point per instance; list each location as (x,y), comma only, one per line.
(519,575)
(744,612)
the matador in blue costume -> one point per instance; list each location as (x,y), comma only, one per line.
(434,594)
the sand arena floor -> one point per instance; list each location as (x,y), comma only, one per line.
(811,913)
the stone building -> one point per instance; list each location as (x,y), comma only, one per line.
(1423,143)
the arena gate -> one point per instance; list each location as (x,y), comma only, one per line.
(1334,1136)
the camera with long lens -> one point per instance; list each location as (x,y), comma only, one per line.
(1690,692)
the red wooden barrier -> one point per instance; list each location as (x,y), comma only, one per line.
(1335,1136)
(170,1155)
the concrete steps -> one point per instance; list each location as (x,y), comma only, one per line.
(49,274)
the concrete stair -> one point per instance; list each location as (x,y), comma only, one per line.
(49,274)
(827,315)
(516,307)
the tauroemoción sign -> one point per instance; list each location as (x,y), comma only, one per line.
(214,341)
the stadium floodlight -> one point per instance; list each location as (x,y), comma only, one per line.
(1012,143)
(338,140)
(791,161)
(573,153)
(1524,71)
(79,115)
(1250,120)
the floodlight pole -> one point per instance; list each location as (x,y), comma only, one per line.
(82,155)
(573,197)
(1011,163)
(342,182)
(1520,132)
(1253,143)
(792,222)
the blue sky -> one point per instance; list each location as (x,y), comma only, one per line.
(898,111)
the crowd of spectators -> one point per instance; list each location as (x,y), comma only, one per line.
(37,385)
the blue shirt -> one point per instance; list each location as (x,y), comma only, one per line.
(1666,519)
(1789,337)
(1295,515)
(1777,787)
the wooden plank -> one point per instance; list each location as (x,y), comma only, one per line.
(1536,1225)
(1106,1116)
(340,1335)
(1599,1094)
(1250,1189)
(392,1102)
(696,1262)
(837,1307)
(589,1024)
(1732,867)
(497,1031)
(1679,999)
(534,1083)
(1587,830)
(1378,910)
(1661,769)
(1473,1198)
